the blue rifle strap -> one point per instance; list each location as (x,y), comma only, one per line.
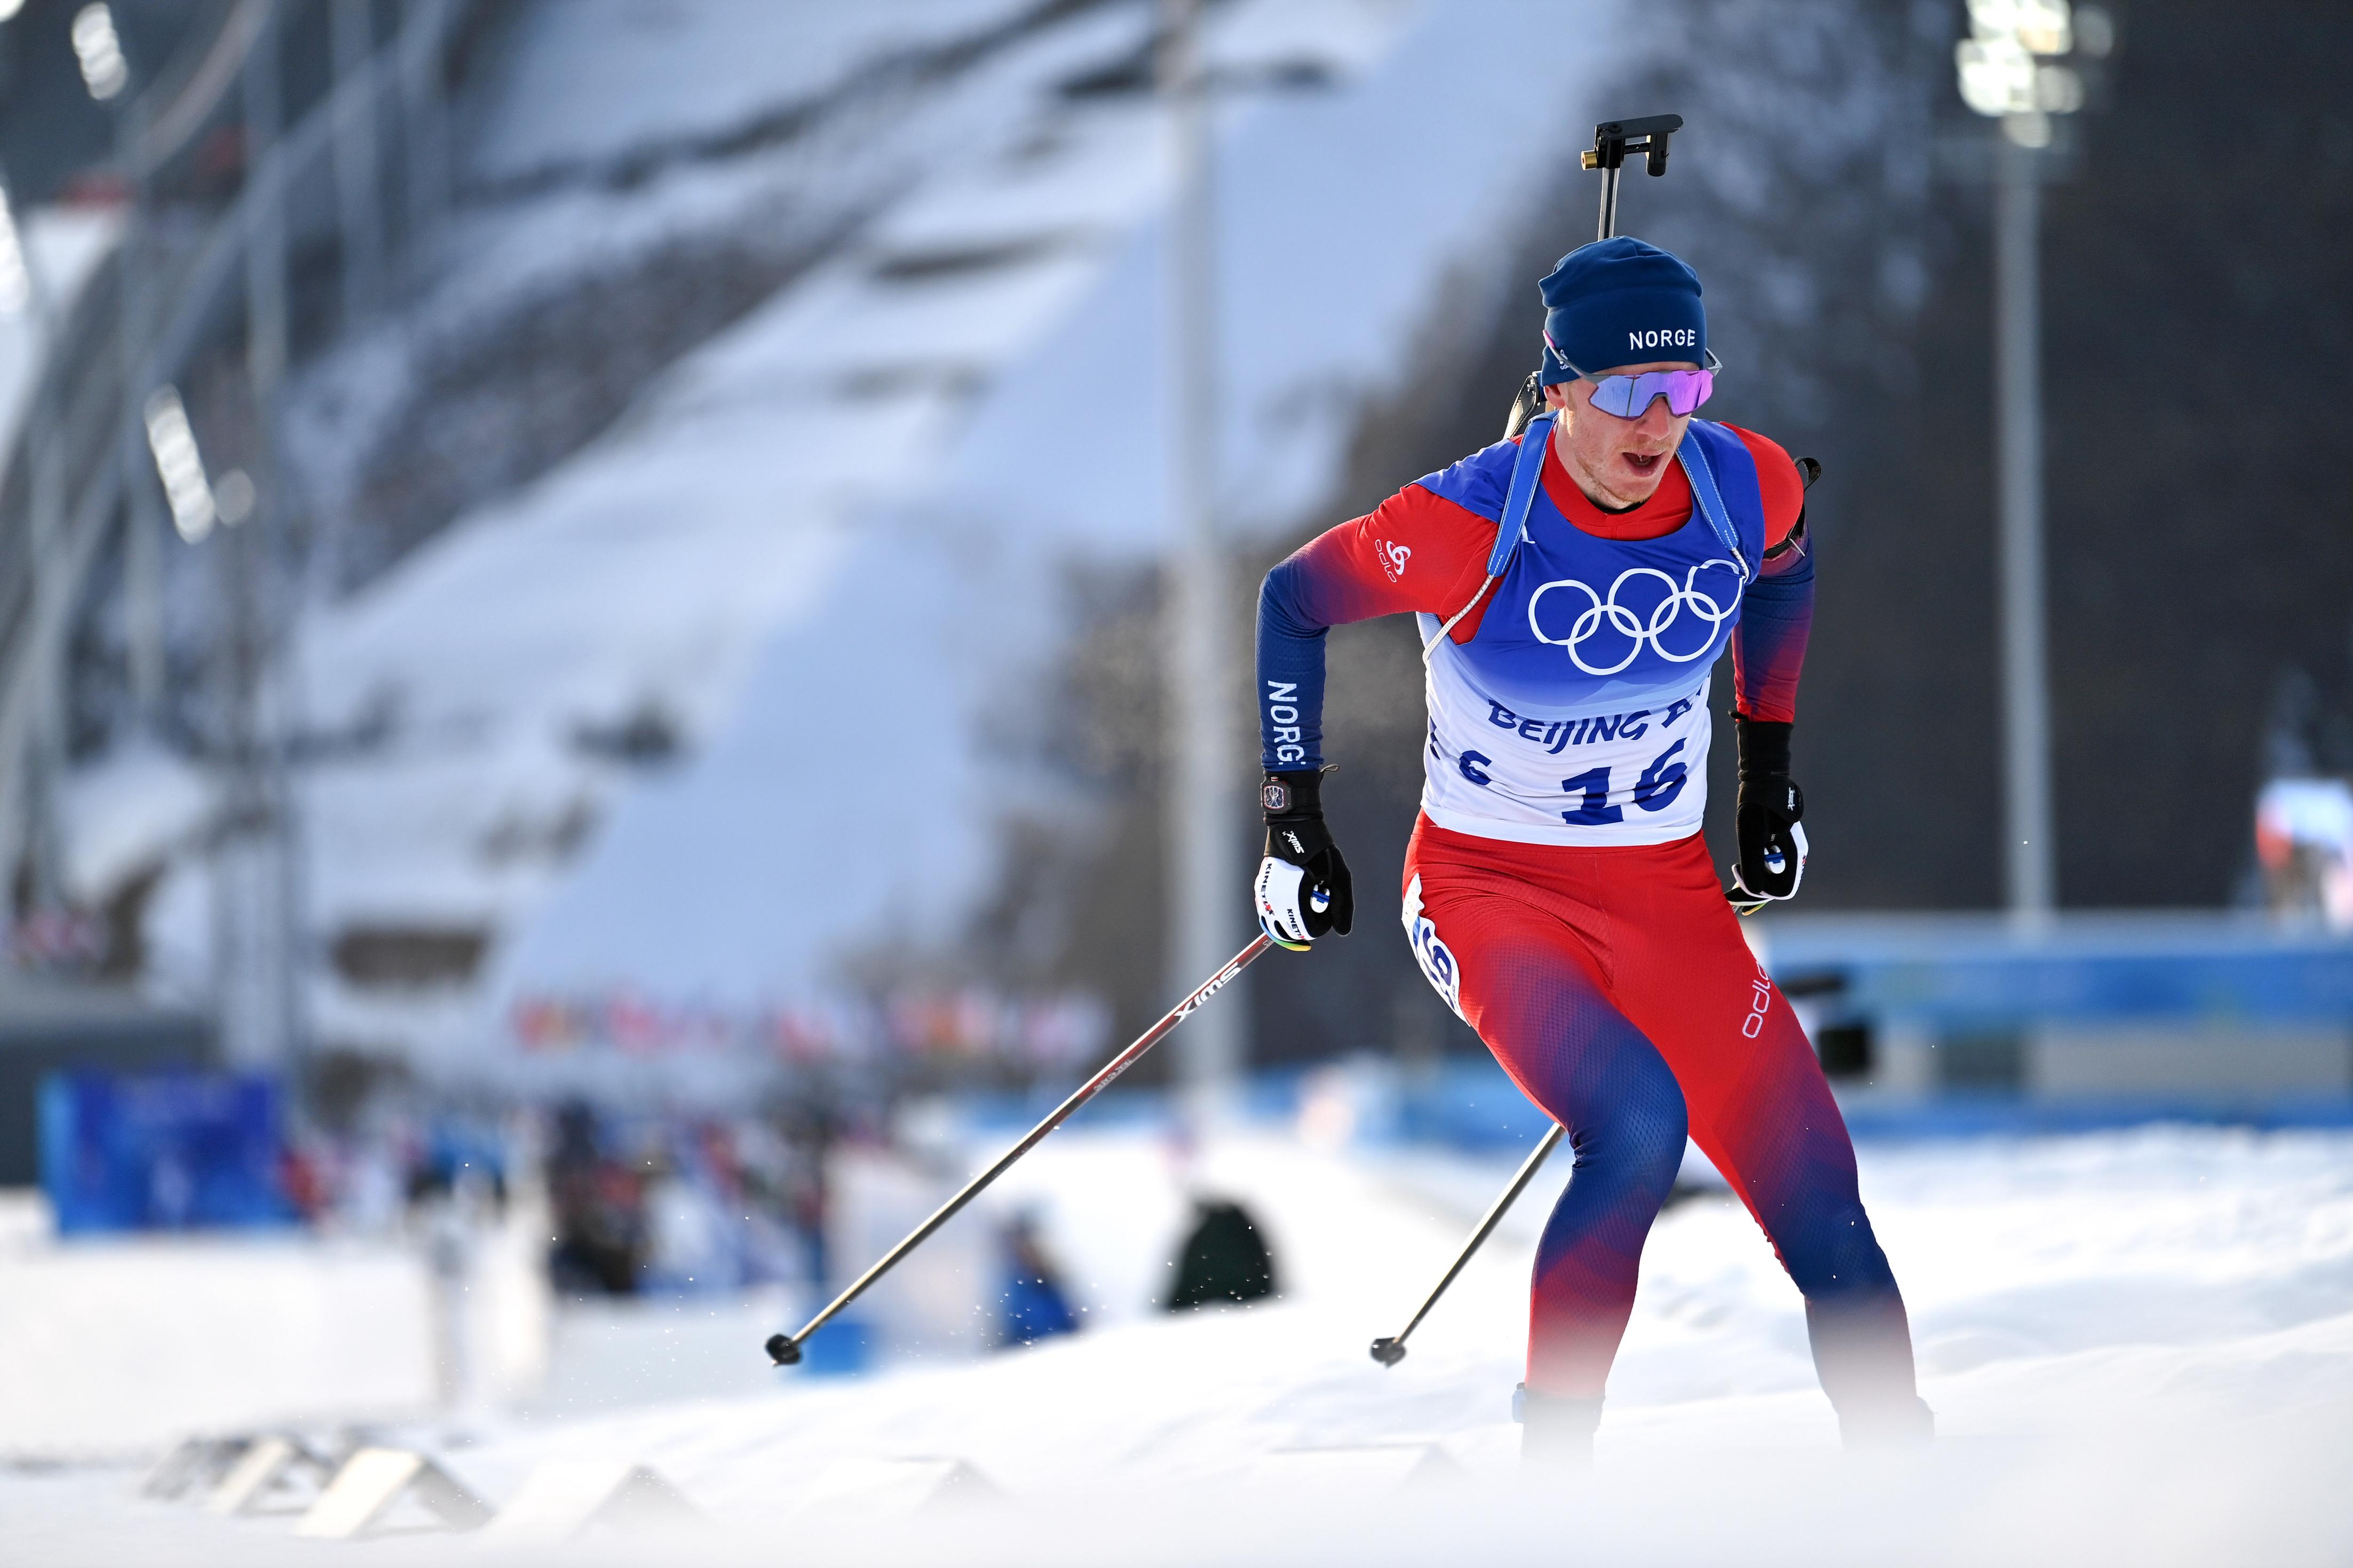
(1710,501)
(1513,525)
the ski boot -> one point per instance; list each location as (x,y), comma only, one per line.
(1554,1429)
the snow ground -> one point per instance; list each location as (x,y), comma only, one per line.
(2140,1346)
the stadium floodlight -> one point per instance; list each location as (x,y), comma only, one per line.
(2002,73)
(2008,72)
(179,465)
(2041,26)
(16,277)
(99,47)
(1997,75)
(8,9)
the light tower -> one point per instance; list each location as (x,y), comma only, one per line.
(1207,890)
(2010,70)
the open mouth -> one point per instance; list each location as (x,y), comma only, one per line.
(1644,463)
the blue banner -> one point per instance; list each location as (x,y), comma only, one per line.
(178,1151)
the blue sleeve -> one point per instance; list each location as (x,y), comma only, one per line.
(1424,549)
(1290,672)
(1768,646)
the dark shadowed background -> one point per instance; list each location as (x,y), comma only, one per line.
(1833,191)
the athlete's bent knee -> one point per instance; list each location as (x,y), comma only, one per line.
(1641,1141)
(1841,1260)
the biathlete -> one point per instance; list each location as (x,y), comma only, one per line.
(1575,585)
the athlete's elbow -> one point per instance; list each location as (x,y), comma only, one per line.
(1282,601)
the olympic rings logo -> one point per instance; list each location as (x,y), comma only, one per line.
(1629,625)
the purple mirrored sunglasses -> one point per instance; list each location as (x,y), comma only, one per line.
(1628,396)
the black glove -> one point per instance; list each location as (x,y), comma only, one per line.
(1772,845)
(1302,888)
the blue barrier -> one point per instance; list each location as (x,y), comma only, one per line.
(1965,971)
(162,1152)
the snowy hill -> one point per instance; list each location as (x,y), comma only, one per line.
(697,710)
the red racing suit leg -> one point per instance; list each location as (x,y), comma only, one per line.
(1613,985)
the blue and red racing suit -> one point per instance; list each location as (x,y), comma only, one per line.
(1557,892)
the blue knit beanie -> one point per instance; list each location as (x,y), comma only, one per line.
(1619,302)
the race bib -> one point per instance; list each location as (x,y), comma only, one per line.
(1634,773)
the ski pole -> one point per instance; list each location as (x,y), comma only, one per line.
(1388,1352)
(785,1349)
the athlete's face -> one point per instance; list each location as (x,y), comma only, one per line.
(1616,462)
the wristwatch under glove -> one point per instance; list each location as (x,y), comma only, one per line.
(1302,888)
(1772,845)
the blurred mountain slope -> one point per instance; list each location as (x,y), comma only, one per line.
(694,700)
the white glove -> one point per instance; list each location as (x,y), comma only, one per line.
(1282,911)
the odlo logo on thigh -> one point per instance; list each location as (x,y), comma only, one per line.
(1760,1002)
(1437,959)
